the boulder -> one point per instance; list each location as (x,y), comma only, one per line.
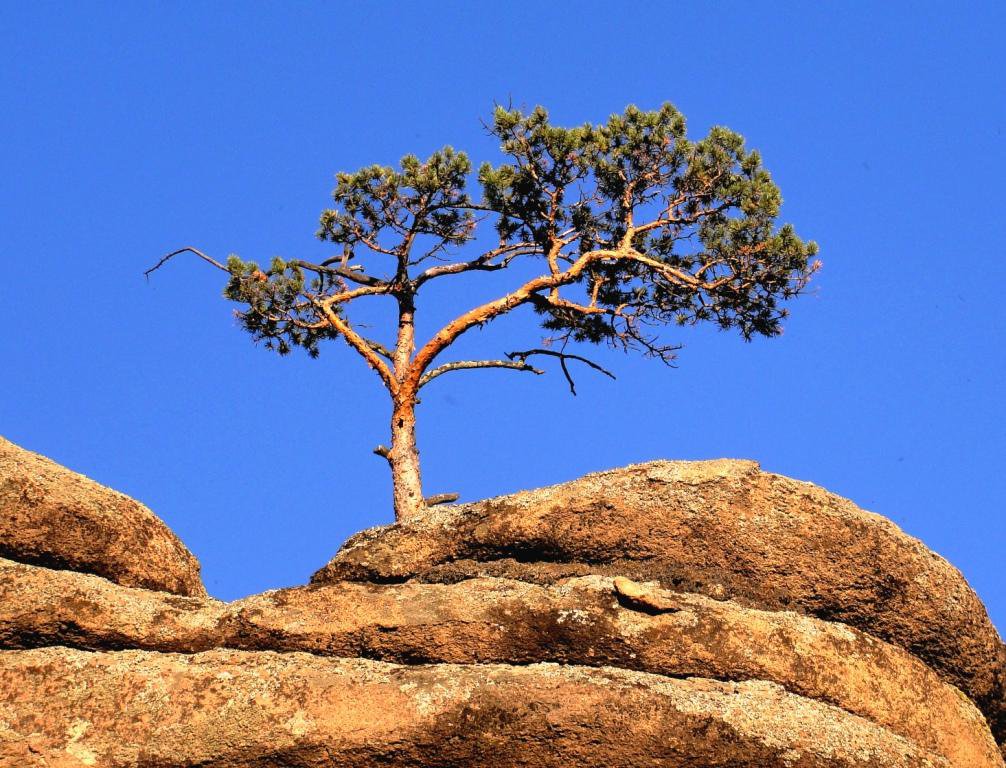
(723,528)
(52,516)
(224,709)
(42,607)
(590,621)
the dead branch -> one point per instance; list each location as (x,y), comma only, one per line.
(483,263)
(462,365)
(379,348)
(563,357)
(353,273)
(188,249)
(441,498)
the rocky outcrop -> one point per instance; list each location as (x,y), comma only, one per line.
(662,625)
(41,607)
(722,528)
(585,621)
(232,708)
(52,516)
(588,621)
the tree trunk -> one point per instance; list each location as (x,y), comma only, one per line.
(406,480)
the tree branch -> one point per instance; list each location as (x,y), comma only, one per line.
(345,296)
(361,345)
(527,293)
(563,357)
(554,301)
(379,348)
(462,365)
(669,221)
(346,273)
(188,249)
(486,312)
(482,263)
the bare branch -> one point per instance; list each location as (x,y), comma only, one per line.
(441,498)
(555,301)
(347,273)
(360,344)
(346,296)
(188,249)
(669,221)
(563,357)
(483,263)
(379,348)
(463,365)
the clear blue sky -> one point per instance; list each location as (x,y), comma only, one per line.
(132,128)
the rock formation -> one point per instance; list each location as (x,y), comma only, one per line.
(721,528)
(231,708)
(57,518)
(693,614)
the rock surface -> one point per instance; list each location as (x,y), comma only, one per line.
(41,607)
(723,528)
(584,621)
(52,516)
(677,614)
(230,708)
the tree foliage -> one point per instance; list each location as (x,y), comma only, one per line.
(674,232)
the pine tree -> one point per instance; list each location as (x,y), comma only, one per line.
(632,226)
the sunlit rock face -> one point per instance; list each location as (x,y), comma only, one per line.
(54,517)
(721,528)
(673,614)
